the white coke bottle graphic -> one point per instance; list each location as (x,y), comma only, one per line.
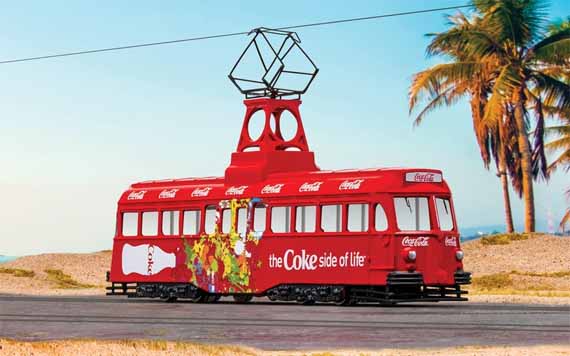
(146,259)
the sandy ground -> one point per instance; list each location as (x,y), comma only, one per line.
(143,348)
(88,268)
(539,254)
(520,299)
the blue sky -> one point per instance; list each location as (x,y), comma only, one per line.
(77,131)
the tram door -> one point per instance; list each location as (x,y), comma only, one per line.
(381,246)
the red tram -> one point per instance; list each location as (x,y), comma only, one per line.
(276,225)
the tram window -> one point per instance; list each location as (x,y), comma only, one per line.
(226,220)
(444,214)
(412,213)
(210,219)
(170,221)
(331,218)
(150,223)
(380,220)
(281,219)
(191,222)
(357,217)
(306,218)
(259,218)
(130,224)
(241,220)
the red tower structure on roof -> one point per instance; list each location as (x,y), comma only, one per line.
(276,74)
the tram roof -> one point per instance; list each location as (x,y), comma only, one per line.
(322,182)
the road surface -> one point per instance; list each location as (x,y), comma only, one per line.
(278,326)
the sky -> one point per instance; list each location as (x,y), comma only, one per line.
(76,131)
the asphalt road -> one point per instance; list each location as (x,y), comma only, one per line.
(274,326)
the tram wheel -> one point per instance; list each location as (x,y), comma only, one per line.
(242,298)
(344,299)
(211,298)
(171,299)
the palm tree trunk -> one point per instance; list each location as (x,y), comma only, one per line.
(526,164)
(506,199)
(502,167)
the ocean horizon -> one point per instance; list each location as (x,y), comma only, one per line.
(4,259)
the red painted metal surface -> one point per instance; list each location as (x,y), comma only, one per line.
(254,261)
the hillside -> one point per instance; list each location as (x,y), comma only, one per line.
(56,273)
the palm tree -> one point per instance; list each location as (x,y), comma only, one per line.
(566,218)
(440,88)
(561,144)
(511,44)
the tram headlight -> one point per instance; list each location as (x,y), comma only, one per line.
(459,255)
(412,255)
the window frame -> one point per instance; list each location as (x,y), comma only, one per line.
(373,225)
(452,211)
(294,218)
(201,212)
(291,218)
(367,210)
(139,224)
(430,211)
(341,223)
(223,220)
(238,220)
(204,209)
(266,217)
(158,222)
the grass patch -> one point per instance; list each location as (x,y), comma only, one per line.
(503,239)
(559,274)
(493,281)
(18,272)
(65,281)
(503,284)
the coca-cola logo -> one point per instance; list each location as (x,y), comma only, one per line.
(272,189)
(451,241)
(350,185)
(299,262)
(310,187)
(236,190)
(420,241)
(136,195)
(168,193)
(423,177)
(201,192)
(150,259)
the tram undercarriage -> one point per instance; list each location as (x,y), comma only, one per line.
(401,287)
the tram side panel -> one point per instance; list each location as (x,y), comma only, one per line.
(334,260)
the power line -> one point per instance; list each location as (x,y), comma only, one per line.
(119,48)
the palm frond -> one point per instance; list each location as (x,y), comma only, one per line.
(562,143)
(555,92)
(562,130)
(503,88)
(565,220)
(515,21)
(432,81)
(538,157)
(553,49)
(447,97)
(559,25)
(463,42)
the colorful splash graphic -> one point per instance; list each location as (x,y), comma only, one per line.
(221,261)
